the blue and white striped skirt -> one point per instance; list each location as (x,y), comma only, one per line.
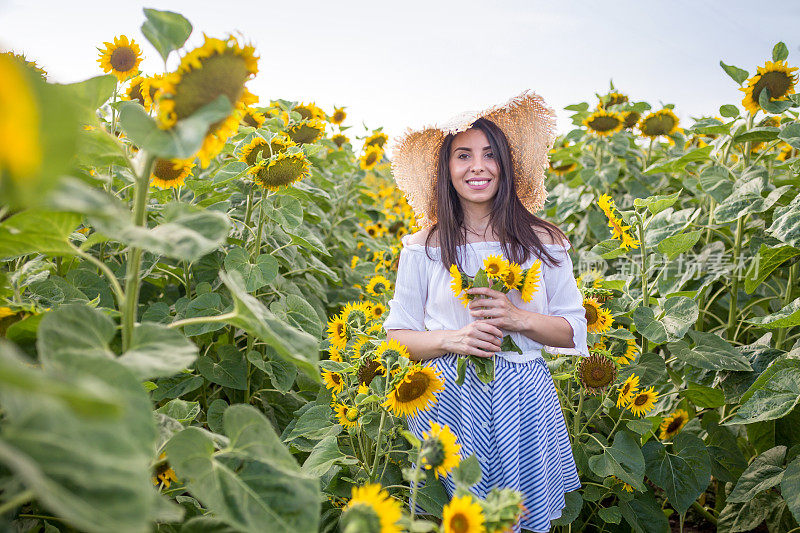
(515,426)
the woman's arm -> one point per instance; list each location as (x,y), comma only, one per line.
(476,338)
(421,345)
(552,331)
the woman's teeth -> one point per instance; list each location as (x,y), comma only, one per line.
(478,184)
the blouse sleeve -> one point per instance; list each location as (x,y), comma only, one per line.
(407,306)
(565,300)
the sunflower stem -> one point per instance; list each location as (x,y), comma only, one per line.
(748,144)
(643,253)
(377,448)
(18,500)
(202,320)
(787,297)
(649,152)
(112,279)
(135,254)
(415,489)
(577,420)
(737,246)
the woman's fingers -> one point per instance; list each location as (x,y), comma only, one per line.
(489,328)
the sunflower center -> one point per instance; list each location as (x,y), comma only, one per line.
(414,388)
(250,120)
(626,389)
(351,414)
(591,314)
(604,123)
(459,523)
(377,311)
(135,93)
(631,118)
(372,156)
(166,170)
(223,73)
(123,59)
(281,172)
(658,125)
(640,400)
(335,378)
(777,82)
(433,451)
(368,371)
(379,288)
(675,425)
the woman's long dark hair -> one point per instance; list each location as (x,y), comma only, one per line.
(513,224)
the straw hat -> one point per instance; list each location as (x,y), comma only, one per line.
(530,127)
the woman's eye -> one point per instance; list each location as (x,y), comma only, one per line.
(465,155)
(490,155)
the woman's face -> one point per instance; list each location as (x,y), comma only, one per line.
(474,171)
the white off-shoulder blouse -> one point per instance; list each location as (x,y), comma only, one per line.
(423,299)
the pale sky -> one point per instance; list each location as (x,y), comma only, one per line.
(411,63)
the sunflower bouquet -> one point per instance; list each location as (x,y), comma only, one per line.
(501,275)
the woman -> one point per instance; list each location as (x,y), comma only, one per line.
(475,184)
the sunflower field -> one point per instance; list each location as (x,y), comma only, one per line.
(194,281)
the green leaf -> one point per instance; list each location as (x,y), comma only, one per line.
(790,487)
(675,164)
(644,514)
(303,237)
(727,460)
(675,245)
(786,223)
(704,397)
(656,204)
(468,472)
(166,31)
(713,353)
(785,318)
(300,314)
(610,515)
(729,111)
(765,262)
(182,411)
(290,343)
(325,455)
(738,75)
(623,459)
(773,106)
(214,415)
(780,52)
(773,395)
(252,482)
(230,371)
(176,386)
(791,134)
(182,140)
(746,198)
(572,509)
(208,304)
(747,516)
(766,471)
(75,331)
(37,231)
(255,275)
(53,450)
(758,134)
(89,95)
(313,424)
(157,351)
(680,313)
(683,474)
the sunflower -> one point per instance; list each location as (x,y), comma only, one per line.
(463,515)
(513,278)
(338,115)
(672,424)
(307,131)
(631,350)
(414,392)
(618,229)
(309,111)
(259,146)
(561,170)
(630,119)
(333,381)
(606,203)
(26,63)
(591,278)
(629,388)
(775,76)
(391,348)
(356,314)
(141,90)
(598,320)
(642,402)
(338,332)
(120,58)
(372,155)
(457,285)
(379,285)
(217,67)
(604,123)
(334,354)
(281,171)
(596,373)
(253,118)
(378,310)
(376,139)
(612,98)
(496,267)
(372,509)
(347,415)
(340,140)
(625,486)
(20,148)
(439,450)
(662,122)
(368,369)
(786,152)
(360,346)
(171,173)
(531,282)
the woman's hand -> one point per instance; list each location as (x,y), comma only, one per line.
(476,338)
(496,309)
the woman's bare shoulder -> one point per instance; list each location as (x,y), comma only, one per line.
(421,236)
(546,237)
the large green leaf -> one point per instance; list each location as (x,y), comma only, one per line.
(253,481)
(166,31)
(675,245)
(37,231)
(657,203)
(786,223)
(75,330)
(89,471)
(791,134)
(766,471)
(680,313)
(785,318)
(290,343)
(713,353)
(790,487)
(324,456)
(300,313)
(704,397)
(684,474)
(773,394)
(644,514)
(765,262)
(623,459)
(745,517)
(727,460)
(255,275)
(675,164)
(746,199)
(230,370)
(737,74)
(157,351)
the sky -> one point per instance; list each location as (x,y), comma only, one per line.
(401,65)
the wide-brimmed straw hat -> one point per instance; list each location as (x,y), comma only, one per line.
(530,127)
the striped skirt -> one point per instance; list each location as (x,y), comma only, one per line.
(515,427)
